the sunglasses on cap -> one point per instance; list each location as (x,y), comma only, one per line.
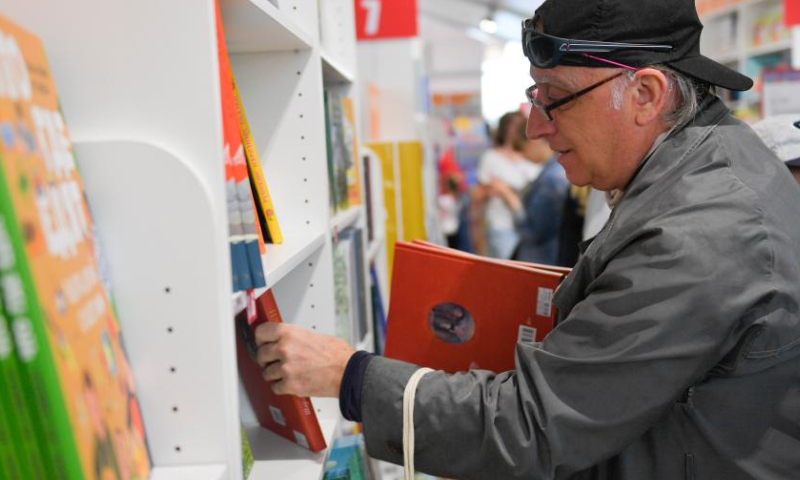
(546,51)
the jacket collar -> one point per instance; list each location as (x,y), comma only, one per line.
(677,146)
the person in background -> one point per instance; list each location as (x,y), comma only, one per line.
(676,351)
(781,133)
(503,166)
(539,206)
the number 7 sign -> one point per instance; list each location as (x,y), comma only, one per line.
(379,19)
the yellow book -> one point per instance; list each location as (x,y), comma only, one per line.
(256,172)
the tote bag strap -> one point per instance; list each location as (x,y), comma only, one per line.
(408,421)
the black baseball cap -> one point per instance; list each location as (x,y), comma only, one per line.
(656,22)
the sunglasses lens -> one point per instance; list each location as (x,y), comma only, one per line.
(541,50)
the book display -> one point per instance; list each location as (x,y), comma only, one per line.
(169,153)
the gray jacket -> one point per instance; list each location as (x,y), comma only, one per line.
(677,354)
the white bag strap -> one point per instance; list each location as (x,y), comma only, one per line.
(408,421)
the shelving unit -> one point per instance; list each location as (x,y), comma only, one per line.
(747,36)
(139,89)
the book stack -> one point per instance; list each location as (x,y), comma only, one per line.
(251,216)
(68,404)
(456,311)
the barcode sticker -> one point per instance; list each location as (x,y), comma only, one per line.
(544,302)
(300,439)
(277,415)
(526,334)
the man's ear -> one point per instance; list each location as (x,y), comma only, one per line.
(651,96)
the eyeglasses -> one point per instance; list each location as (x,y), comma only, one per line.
(532,92)
(546,51)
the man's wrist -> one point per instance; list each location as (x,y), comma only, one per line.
(350,388)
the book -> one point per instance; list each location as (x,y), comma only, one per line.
(340,154)
(350,149)
(73,373)
(247,453)
(370,209)
(378,311)
(289,416)
(352,245)
(248,270)
(455,311)
(342,293)
(266,210)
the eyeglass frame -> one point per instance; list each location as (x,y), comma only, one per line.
(563,46)
(546,109)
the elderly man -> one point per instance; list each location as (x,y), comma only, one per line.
(677,352)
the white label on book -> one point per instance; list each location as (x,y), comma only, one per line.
(544,302)
(300,439)
(277,415)
(526,334)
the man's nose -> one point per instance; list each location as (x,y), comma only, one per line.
(539,126)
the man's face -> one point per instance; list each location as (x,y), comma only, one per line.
(588,135)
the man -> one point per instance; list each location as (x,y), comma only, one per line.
(677,352)
(781,133)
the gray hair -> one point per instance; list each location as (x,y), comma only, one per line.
(685,103)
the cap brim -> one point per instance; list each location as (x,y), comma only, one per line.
(712,72)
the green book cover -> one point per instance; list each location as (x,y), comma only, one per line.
(18,447)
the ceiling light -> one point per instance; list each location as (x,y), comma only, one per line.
(488,25)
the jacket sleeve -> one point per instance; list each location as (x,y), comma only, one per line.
(623,357)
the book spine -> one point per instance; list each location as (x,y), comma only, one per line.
(18,450)
(39,379)
(256,172)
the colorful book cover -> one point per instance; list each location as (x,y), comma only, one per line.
(20,439)
(289,416)
(343,304)
(72,365)
(341,157)
(248,271)
(266,209)
(456,311)
(332,200)
(350,141)
(412,190)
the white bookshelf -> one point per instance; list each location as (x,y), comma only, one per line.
(737,36)
(139,87)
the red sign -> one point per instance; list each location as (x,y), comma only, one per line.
(791,12)
(378,19)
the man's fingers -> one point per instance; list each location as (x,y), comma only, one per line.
(268,332)
(273,371)
(268,353)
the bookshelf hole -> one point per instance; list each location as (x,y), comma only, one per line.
(311,285)
(175,409)
(167,289)
(313,327)
(170,329)
(308,222)
(298,72)
(178,448)
(304,159)
(173,369)
(310,264)
(302,137)
(301,115)
(306,200)
(312,306)
(305,180)
(300,94)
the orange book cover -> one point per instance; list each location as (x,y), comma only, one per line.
(456,311)
(289,416)
(73,368)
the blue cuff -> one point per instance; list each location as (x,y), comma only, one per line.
(350,389)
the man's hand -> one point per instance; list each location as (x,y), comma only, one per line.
(302,362)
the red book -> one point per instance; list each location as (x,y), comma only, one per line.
(455,311)
(289,416)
